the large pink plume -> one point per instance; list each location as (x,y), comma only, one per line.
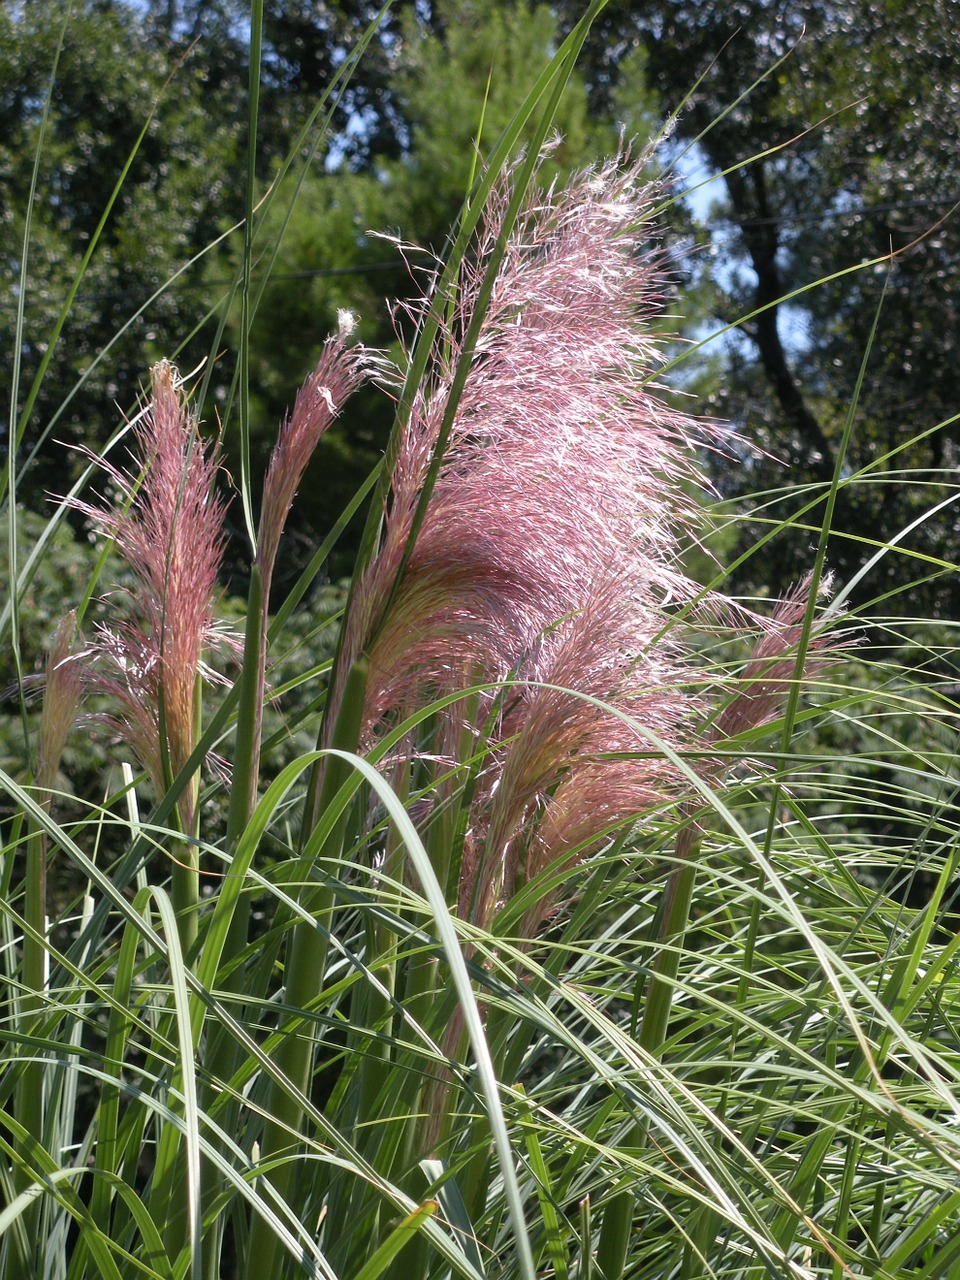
(562,461)
(550,545)
(551,536)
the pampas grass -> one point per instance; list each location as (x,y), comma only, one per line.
(578,944)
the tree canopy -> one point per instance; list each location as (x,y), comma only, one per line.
(837,148)
(835,129)
(108,85)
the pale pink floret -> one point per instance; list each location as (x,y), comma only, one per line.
(773,669)
(168,524)
(63,688)
(341,370)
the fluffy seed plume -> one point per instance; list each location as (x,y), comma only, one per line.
(551,535)
(562,460)
(340,371)
(763,687)
(551,542)
(168,524)
(63,688)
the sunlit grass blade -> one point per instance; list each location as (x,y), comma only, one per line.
(395,1241)
(466,997)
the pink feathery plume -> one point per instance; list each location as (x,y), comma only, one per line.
(561,459)
(550,537)
(341,370)
(772,671)
(63,688)
(168,525)
(551,542)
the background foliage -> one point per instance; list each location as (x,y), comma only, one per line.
(852,139)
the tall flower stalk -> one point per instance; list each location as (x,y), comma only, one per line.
(167,522)
(342,368)
(547,541)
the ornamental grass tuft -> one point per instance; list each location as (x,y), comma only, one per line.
(541,961)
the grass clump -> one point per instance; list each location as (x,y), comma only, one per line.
(579,944)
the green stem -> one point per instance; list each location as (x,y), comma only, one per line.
(383,958)
(28,1099)
(418,999)
(185,886)
(422,1137)
(666,966)
(388,1088)
(304,977)
(618,1218)
(186,893)
(224,1052)
(185,896)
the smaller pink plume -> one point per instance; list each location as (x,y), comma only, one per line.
(341,370)
(775,665)
(63,689)
(167,522)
